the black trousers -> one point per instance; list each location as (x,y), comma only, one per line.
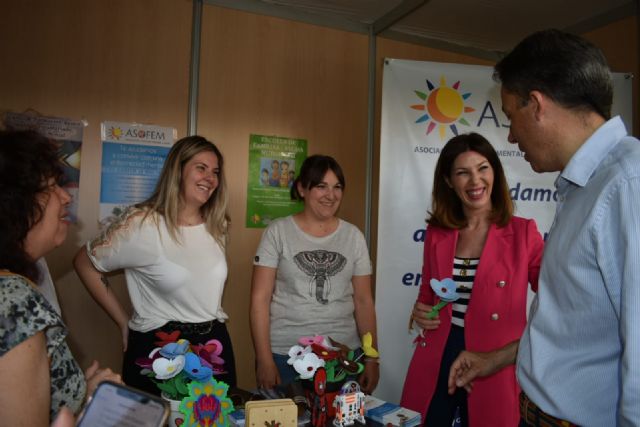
(140,344)
(442,408)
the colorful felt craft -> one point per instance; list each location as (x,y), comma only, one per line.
(177,364)
(207,404)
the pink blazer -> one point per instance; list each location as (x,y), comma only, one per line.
(496,315)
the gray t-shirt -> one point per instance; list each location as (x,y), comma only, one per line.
(313,292)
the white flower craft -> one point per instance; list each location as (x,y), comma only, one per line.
(307,365)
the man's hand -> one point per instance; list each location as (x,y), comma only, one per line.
(470,365)
(467,367)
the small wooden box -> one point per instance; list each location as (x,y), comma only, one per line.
(271,413)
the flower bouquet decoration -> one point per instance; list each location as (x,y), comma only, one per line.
(184,372)
(337,361)
(318,351)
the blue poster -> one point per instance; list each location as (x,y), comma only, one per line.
(132,159)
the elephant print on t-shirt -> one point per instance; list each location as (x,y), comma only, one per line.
(320,265)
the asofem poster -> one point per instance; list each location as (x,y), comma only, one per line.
(132,159)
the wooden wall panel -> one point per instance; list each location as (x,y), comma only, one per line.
(95,60)
(270,76)
(620,42)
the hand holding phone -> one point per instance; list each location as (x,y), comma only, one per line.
(114,405)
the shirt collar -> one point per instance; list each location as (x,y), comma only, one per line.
(589,156)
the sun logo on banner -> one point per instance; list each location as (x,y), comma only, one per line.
(444,107)
(114,133)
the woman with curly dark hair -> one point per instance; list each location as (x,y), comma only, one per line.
(36,365)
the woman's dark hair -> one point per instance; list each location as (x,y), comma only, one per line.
(313,170)
(446,205)
(565,67)
(27,161)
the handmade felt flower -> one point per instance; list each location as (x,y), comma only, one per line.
(445,289)
(176,365)
(350,366)
(194,369)
(343,349)
(297,352)
(324,353)
(316,339)
(327,343)
(168,368)
(207,405)
(173,349)
(307,365)
(147,362)
(209,352)
(367,346)
(166,338)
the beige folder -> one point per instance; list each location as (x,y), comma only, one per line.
(271,413)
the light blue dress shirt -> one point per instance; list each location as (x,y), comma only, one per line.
(579,357)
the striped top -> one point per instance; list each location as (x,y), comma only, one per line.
(464,272)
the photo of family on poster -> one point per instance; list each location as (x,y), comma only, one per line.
(277,173)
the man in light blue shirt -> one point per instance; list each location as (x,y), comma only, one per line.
(578,361)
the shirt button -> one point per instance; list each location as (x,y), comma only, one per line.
(501,283)
(495,316)
(423,344)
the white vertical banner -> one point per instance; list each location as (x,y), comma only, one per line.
(424,104)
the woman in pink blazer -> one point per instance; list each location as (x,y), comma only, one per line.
(491,255)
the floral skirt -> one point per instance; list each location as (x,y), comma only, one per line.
(140,344)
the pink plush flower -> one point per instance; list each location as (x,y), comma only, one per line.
(209,352)
(307,341)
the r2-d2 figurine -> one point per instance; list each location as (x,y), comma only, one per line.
(349,405)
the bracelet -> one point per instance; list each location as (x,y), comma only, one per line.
(372,359)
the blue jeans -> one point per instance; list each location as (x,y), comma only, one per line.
(286,371)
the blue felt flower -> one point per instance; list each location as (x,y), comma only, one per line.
(195,370)
(445,289)
(174,349)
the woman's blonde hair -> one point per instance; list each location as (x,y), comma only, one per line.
(166,197)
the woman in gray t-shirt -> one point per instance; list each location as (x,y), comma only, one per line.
(311,276)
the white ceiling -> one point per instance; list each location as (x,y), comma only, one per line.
(484,28)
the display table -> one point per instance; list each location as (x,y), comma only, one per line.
(376,410)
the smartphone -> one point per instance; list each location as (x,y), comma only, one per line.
(114,405)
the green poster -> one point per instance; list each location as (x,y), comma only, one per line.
(274,162)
